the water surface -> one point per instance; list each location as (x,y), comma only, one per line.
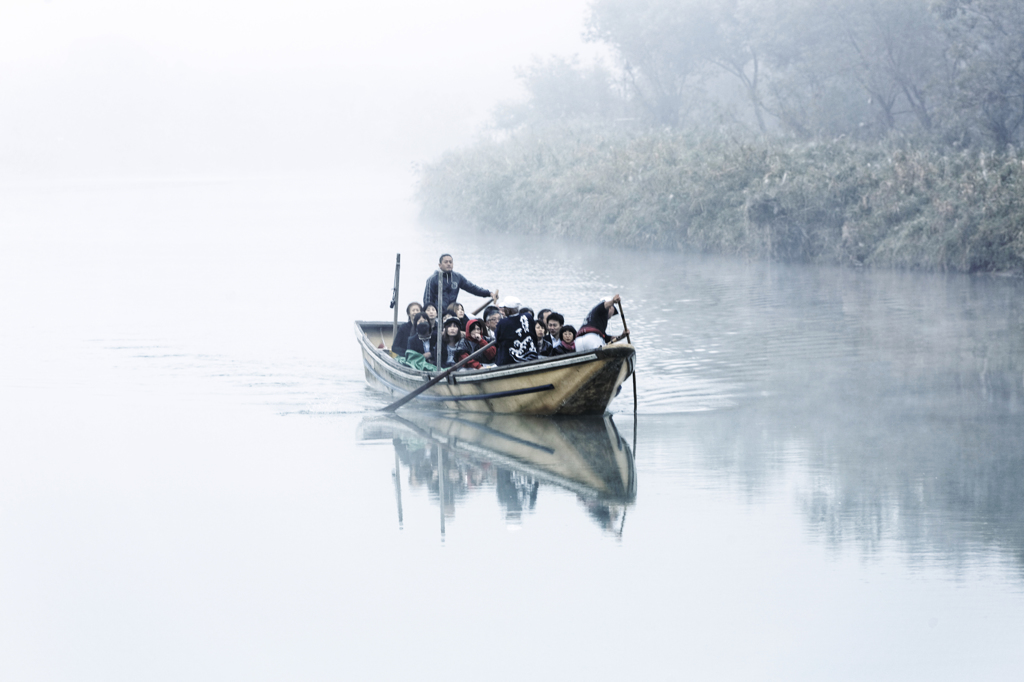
(825,479)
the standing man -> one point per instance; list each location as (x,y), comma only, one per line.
(451,284)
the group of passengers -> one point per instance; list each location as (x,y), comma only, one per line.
(520,335)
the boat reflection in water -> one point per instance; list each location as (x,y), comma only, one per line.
(514,454)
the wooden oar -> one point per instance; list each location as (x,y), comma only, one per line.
(628,340)
(443,375)
(492,299)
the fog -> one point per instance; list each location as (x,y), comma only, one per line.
(823,480)
(121,89)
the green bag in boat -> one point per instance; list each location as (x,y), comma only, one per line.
(416,361)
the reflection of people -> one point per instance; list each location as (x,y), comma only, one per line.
(601,513)
(515,492)
(417,457)
(532,449)
(460,475)
(451,283)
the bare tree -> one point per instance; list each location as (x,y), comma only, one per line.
(661,45)
(986,39)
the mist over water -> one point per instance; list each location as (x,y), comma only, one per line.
(192,463)
(824,480)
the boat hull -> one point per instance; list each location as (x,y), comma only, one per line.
(574,384)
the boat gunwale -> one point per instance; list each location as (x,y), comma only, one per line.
(460,398)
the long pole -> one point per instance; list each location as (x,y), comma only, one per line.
(440,377)
(398,487)
(440,301)
(440,484)
(394,299)
(628,340)
(437,361)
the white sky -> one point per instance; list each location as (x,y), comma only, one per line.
(104,82)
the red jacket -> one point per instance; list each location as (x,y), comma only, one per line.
(468,346)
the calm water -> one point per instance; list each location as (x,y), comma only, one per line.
(825,479)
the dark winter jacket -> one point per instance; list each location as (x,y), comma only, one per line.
(562,349)
(596,322)
(544,347)
(515,340)
(449,354)
(428,346)
(401,341)
(468,346)
(452,283)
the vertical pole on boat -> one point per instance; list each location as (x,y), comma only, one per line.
(440,483)
(398,488)
(628,340)
(394,299)
(440,300)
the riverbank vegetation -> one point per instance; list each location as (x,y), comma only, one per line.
(849,131)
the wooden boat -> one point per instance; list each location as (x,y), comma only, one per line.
(576,384)
(585,455)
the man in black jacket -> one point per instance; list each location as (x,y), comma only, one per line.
(515,335)
(451,284)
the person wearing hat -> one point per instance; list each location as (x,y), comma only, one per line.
(593,334)
(510,305)
(452,335)
(451,284)
(515,335)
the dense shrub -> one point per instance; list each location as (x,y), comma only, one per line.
(883,204)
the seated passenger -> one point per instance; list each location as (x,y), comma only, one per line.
(455,309)
(540,334)
(593,334)
(515,334)
(424,338)
(450,341)
(567,344)
(554,325)
(401,341)
(431,313)
(492,316)
(473,342)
